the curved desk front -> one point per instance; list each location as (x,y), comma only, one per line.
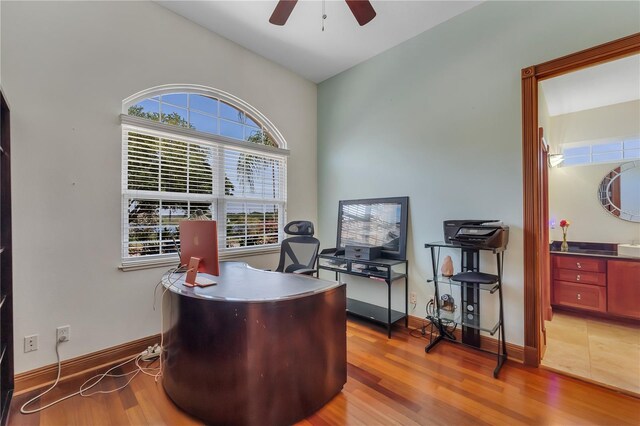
(260,348)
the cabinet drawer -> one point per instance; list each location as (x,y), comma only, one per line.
(583,296)
(580,277)
(362,252)
(580,263)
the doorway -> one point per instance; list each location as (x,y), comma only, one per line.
(590,128)
(536,252)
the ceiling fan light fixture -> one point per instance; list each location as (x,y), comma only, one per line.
(361,10)
(282,12)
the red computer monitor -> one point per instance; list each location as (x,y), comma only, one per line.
(199,238)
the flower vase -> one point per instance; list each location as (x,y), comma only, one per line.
(565,245)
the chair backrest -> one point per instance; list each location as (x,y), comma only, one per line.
(299,227)
(300,251)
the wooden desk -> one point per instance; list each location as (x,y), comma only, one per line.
(259,348)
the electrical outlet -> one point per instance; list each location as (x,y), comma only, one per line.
(31,343)
(63,333)
(413,298)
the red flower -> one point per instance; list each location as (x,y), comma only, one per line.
(563,223)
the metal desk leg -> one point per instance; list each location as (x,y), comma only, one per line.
(435,342)
(442,332)
(502,343)
(500,268)
(406,296)
(389,309)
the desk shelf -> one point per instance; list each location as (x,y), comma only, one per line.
(491,288)
(380,277)
(372,312)
(381,270)
(480,322)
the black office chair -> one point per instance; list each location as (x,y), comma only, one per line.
(298,253)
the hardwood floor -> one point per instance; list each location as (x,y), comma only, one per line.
(389,382)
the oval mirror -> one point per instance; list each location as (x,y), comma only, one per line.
(619,191)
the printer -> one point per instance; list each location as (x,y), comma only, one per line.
(481,234)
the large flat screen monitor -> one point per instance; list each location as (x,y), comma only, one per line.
(375,222)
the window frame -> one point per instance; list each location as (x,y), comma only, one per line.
(219,200)
(590,157)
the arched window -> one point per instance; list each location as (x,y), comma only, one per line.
(192,151)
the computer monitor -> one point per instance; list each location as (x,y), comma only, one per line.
(375,222)
(199,238)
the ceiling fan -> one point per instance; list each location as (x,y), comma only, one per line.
(361,9)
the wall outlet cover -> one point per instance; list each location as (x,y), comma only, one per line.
(63,333)
(31,343)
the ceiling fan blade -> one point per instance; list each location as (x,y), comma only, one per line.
(362,10)
(282,11)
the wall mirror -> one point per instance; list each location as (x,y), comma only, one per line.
(619,191)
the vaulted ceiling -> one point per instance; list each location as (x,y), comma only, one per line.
(606,84)
(301,45)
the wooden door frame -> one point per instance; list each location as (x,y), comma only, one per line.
(532,174)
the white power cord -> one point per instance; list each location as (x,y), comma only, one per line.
(146,355)
(149,355)
(172,271)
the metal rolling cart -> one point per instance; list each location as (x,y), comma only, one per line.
(471,282)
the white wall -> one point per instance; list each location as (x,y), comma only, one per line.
(573,195)
(612,121)
(438,118)
(573,191)
(66,67)
(544,120)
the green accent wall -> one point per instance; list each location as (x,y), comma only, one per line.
(438,118)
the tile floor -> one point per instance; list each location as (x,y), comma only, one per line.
(598,350)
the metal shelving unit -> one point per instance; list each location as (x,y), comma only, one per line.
(381,270)
(471,282)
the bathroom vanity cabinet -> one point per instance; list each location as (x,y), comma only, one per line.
(623,288)
(596,283)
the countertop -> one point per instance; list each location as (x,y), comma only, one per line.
(577,248)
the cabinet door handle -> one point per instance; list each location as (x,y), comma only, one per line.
(578,265)
(579,297)
(578,278)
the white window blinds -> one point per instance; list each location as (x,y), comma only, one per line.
(168,177)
